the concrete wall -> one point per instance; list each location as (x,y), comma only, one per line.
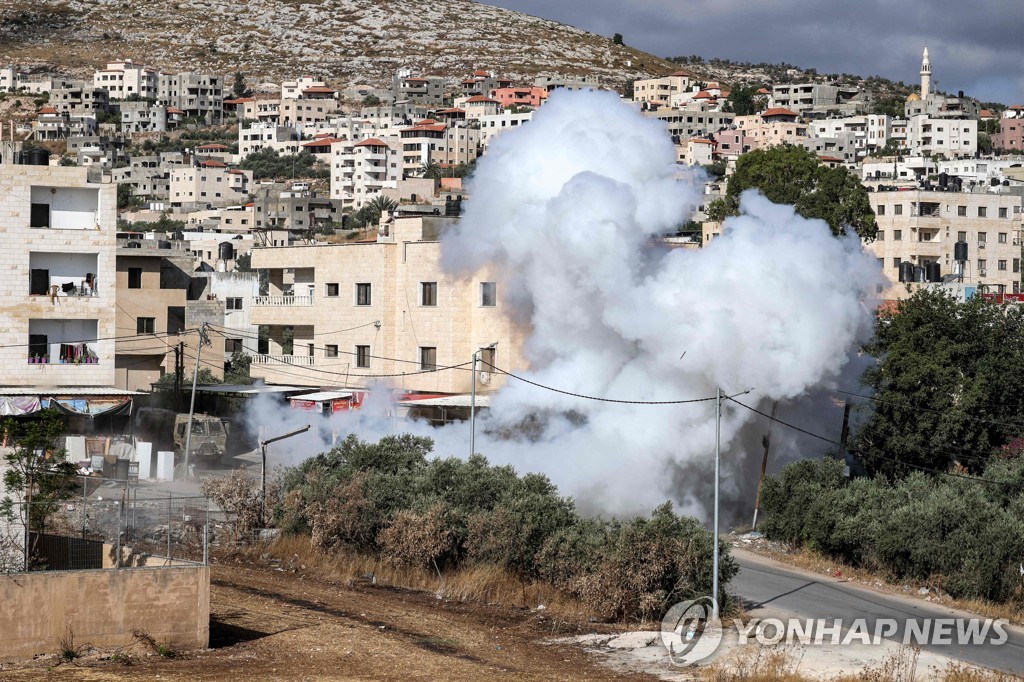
(103,607)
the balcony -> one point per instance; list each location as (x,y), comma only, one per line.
(60,275)
(283,301)
(296,360)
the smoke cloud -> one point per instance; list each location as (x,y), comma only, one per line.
(564,210)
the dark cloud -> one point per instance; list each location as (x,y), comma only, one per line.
(974,46)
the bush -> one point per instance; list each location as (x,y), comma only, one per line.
(964,536)
(388,500)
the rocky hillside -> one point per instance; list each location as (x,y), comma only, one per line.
(342,41)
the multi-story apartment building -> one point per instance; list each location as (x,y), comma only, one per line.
(953,138)
(142,117)
(156,309)
(1010,137)
(816,98)
(772,128)
(196,95)
(209,183)
(315,105)
(57,277)
(482,83)
(382,308)
(263,110)
(150,180)
(921,227)
(253,137)
(79,98)
(519,97)
(125,79)
(362,170)
(684,124)
(495,124)
(417,89)
(660,90)
(432,142)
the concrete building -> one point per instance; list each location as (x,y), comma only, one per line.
(771,128)
(209,183)
(362,170)
(495,124)
(531,97)
(238,291)
(1010,137)
(682,124)
(815,98)
(387,307)
(125,79)
(263,110)
(431,142)
(196,95)
(482,83)
(952,138)
(57,278)
(428,91)
(921,227)
(660,90)
(142,117)
(252,137)
(79,98)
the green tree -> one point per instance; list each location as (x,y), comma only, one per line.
(124,195)
(741,100)
(36,477)
(890,106)
(371,101)
(789,174)
(617,39)
(984,143)
(430,170)
(948,382)
(238,88)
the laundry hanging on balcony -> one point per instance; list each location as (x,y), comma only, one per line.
(99,407)
(19,405)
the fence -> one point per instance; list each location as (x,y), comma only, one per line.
(108,524)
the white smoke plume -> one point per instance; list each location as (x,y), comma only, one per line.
(564,209)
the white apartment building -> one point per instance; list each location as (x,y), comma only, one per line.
(684,124)
(211,183)
(384,308)
(294,89)
(362,170)
(124,79)
(57,278)
(252,137)
(949,137)
(660,90)
(142,117)
(432,142)
(497,123)
(921,227)
(263,110)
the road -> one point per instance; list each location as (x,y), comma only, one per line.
(775,590)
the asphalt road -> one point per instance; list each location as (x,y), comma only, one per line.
(774,590)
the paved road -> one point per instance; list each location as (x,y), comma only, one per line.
(775,590)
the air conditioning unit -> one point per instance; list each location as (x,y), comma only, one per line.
(484,377)
(981,273)
(981,245)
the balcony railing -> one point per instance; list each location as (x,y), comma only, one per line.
(301,360)
(281,301)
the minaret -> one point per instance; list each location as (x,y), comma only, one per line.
(926,75)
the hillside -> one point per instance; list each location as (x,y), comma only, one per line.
(342,41)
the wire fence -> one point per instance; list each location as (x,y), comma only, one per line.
(106,525)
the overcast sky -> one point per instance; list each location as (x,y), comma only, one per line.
(975,46)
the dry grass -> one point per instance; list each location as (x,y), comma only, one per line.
(782,664)
(816,563)
(479,584)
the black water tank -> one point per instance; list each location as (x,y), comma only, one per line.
(163,244)
(37,156)
(906,271)
(943,180)
(960,252)
(133,244)
(934,271)
(225,251)
(994,182)
(919,273)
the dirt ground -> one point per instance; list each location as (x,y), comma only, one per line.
(267,624)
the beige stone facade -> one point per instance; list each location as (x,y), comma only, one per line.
(58,232)
(923,226)
(335,294)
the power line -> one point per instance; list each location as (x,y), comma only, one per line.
(930,409)
(888,459)
(110,338)
(601,399)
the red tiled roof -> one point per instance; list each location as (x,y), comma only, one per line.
(322,142)
(762,91)
(778,111)
(480,98)
(703,94)
(425,122)
(680,73)
(174,110)
(320,88)
(480,73)
(211,163)
(372,142)
(47,109)
(469,81)
(440,127)
(235,171)
(418,80)
(831,159)
(450,111)
(240,100)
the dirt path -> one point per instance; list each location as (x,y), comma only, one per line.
(271,625)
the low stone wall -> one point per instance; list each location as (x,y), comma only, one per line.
(103,607)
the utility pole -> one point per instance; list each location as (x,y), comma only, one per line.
(764,464)
(179,371)
(204,340)
(714,532)
(263,469)
(472,400)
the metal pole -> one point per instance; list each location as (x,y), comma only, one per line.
(168,528)
(263,466)
(117,558)
(718,455)
(764,464)
(206,535)
(472,410)
(192,404)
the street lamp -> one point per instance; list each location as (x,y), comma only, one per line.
(472,402)
(263,468)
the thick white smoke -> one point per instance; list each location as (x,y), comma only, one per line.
(564,209)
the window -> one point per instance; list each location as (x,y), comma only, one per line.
(880,236)
(134,278)
(487,359)
(897,209)
(982,263)
(332,289)
(428,293)
(961,210)
(896,262)
(1001,265)
(363,356)
(982,237)
(428,358)
(488,294)
(961,236)
(1016,264)
(232,346)
(234,303)
(331,351)
(982,212)
(1002,211)
(363,296)
(897,235)
(145,325)
(1002,237)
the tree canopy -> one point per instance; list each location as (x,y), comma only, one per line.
(948,383)
(788,174)
(267,163)
(742,100)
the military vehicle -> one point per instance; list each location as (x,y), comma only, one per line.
(209,438)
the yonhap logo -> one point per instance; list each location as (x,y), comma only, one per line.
(691,631)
